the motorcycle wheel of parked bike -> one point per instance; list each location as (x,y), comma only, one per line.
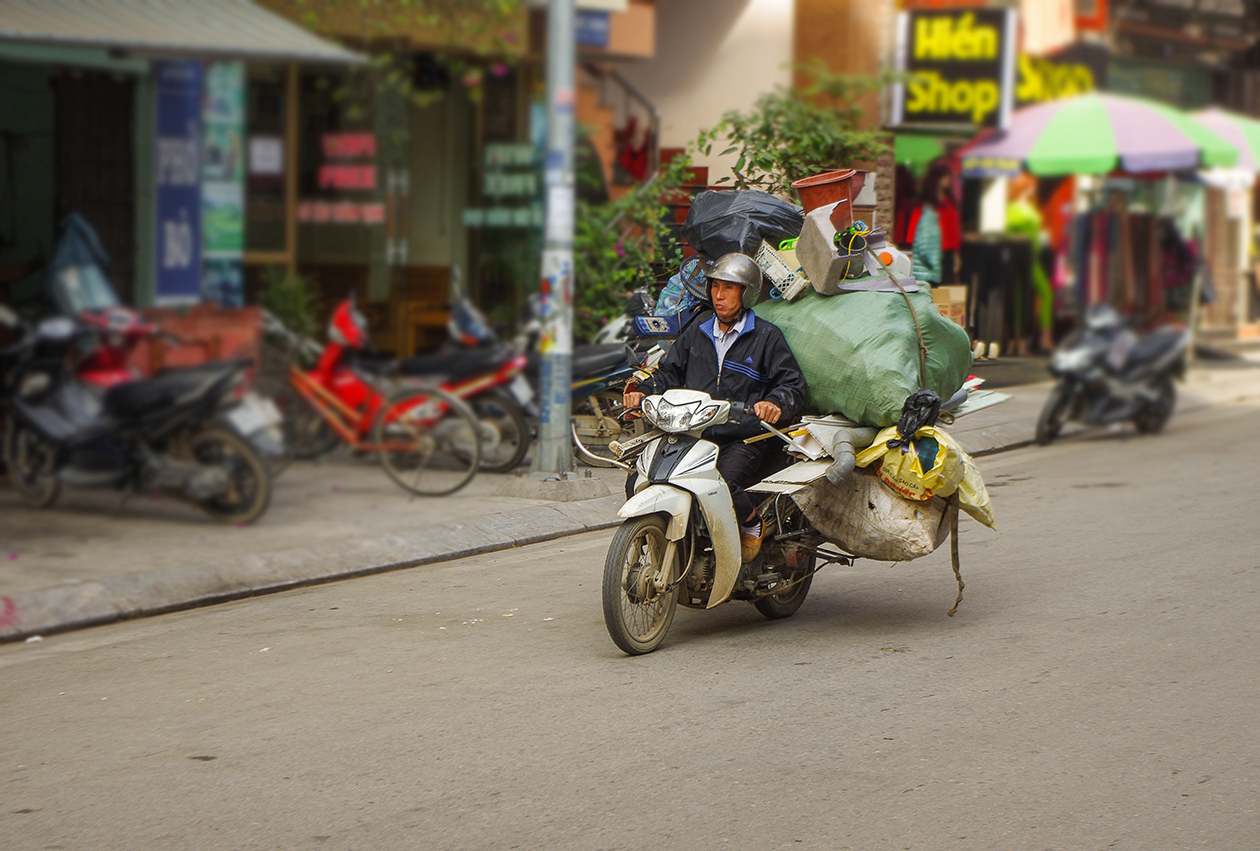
(1054,414)
(597,432)
(31,462)
(428,458)
(307,435)
(501,413)
(1153,418)
(637,614)
(249,482)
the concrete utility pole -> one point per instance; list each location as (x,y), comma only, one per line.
(552,475)
(555,448)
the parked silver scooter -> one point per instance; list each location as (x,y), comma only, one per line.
(1108,374)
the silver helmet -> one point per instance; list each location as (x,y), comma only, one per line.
(739,269)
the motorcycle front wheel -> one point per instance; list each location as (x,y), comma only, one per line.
(31,462)
(1054,414)
(249,483)
(307,435)
(636,612)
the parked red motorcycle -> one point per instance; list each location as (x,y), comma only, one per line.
(490,377)
(428,440)
(472,367)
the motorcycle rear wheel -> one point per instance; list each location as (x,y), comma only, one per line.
(249,493)
(428,458)
(505,415)
(637,616)
(784,605)
(1054,414)
(30,460)
(1152,418)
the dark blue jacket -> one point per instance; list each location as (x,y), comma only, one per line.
(758,367)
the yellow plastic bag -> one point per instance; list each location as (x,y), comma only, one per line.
(930,464)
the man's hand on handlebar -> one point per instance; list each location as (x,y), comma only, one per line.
(631,399)
(768,411)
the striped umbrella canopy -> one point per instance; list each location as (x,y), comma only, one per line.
(1239,130)
(1098,133)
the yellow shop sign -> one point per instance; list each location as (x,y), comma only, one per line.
(957,67)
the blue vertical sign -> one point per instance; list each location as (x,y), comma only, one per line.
(592,28)
(177,154)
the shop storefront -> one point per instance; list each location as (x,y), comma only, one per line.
(1135,241)
(132,115)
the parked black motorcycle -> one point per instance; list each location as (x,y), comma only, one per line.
(1108,374)
(180,433)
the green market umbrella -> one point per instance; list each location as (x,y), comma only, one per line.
(1098,133)
(916,152)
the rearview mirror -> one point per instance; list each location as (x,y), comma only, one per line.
(632,356)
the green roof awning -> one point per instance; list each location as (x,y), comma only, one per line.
(195,29)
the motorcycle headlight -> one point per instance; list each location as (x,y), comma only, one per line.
(678,418)
(1071,360)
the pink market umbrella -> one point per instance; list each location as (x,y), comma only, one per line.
(1239,130)
(1098,133)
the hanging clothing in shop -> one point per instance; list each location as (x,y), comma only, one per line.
(935,234)
(905,200)
(1024,220)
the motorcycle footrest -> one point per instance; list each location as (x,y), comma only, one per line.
(766,581)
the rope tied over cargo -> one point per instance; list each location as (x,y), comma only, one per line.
(918,328)
(953,551)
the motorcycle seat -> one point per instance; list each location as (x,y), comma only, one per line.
(168,389)
(458,364)
(1152,347)
(592,360)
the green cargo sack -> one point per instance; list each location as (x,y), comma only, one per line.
(859,351)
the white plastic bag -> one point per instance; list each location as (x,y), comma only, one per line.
(865,517)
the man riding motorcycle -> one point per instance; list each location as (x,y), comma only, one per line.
(740,358)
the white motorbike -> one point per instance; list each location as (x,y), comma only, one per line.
(679,542)
(680,538)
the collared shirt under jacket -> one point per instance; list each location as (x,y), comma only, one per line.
(757,367)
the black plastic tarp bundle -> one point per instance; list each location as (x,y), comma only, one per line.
(720,222)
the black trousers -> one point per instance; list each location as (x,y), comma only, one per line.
(740,465)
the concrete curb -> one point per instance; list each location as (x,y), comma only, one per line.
(64,608)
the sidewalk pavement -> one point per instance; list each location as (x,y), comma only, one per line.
(93,560)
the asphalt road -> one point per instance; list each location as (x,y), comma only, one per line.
(1097,690)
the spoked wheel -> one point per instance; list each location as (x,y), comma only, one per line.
(1054,414)
(1159,410)
(32,465)
(248,482)
(502,414)
(429,441)
(640,595)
